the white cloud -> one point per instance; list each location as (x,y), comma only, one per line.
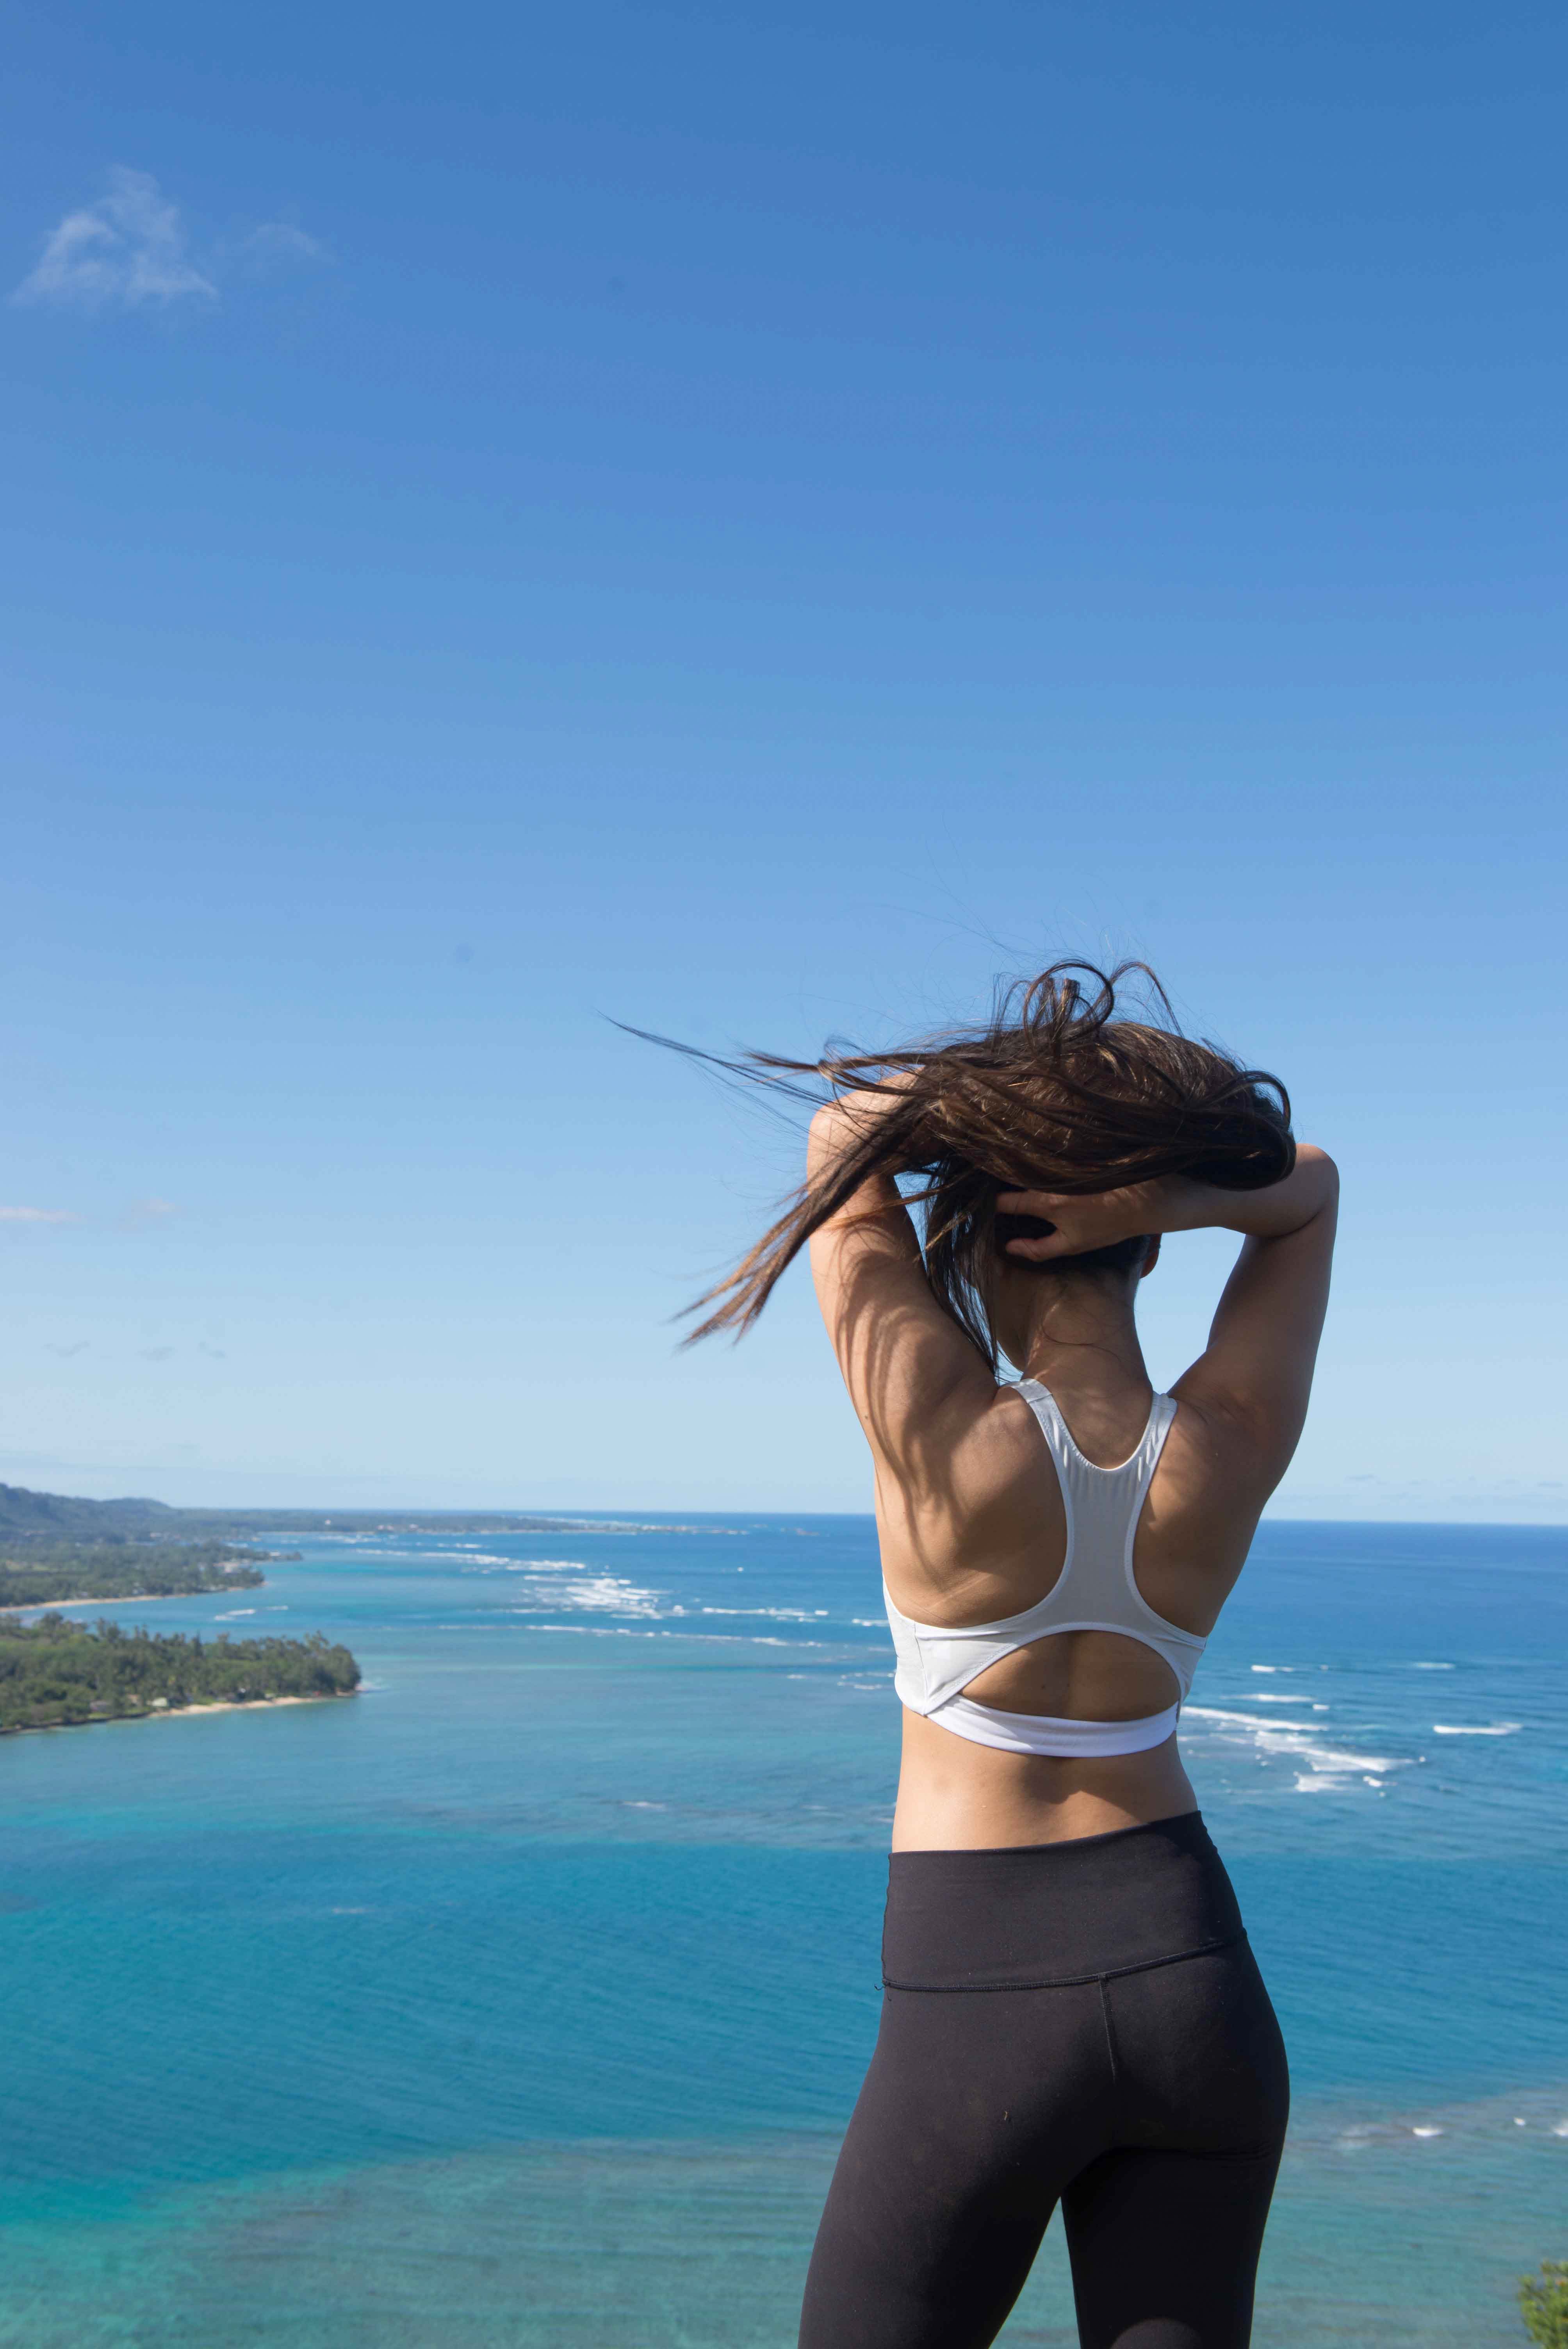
(142,1212)
(277,241)
(131,250)
(137,1217)
(127,249)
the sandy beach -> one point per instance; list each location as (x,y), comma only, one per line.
(180,1712)
(144,1599)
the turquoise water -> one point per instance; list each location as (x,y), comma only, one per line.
(518,2002)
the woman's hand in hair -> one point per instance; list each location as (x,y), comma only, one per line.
(1096,1219)
(1173,1202)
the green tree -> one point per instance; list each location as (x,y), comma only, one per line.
(1543,2304)
(53,1672)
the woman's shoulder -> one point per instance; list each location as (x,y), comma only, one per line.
(1208,1491)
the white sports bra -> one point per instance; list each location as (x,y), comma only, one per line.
(1095,1591)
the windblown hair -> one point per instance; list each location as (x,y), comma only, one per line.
(1055,1093)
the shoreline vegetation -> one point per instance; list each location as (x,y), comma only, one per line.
(59,1574)
(56,1550)
(56,1674)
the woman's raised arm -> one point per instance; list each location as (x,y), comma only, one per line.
(905,1361)
(1257,1366)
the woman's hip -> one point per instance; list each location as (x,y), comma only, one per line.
(1027,1916)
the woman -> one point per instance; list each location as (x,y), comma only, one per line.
(1071,2011)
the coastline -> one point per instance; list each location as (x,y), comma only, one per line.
(142,1599)
(180,1712)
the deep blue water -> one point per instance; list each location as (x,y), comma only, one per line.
(519,2000)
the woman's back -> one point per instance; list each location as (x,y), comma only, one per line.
(1067,1727)
(1138,1529)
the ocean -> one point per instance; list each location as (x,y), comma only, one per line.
(518,2002)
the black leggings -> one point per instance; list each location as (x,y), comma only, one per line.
(1081,2022)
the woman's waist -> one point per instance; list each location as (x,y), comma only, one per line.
(954,1795)
(1016,1914)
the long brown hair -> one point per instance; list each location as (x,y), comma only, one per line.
(1055,1092)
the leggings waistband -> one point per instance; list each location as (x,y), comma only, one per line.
(1029,1916)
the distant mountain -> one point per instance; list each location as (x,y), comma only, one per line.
(42,1517)
(58,1517)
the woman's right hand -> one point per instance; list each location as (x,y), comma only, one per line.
(1094,1219)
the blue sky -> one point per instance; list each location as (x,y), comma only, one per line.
(753,522)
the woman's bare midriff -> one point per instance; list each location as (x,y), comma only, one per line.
(953,1796)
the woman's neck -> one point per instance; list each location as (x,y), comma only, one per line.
(1083,1340)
